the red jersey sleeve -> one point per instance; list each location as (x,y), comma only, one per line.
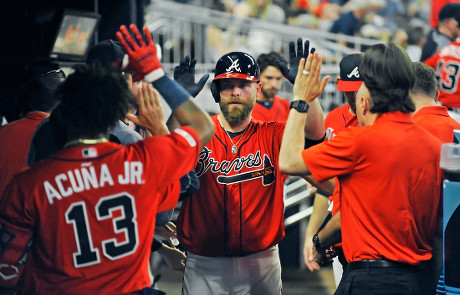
(169,196)
(16,230)
(332,158)
(169,155)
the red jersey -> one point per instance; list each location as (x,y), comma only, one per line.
(15,138)
(239,207)
(279,111)
(446,62)
(436,6)
(90,211)
(437,121)
(390,184)
(338,119)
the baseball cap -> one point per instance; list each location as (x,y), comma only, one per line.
(238,65)
(106,53)
(350,78)
(448,11)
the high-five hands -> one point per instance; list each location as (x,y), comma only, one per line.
(150,114)
(294,58)
(307,85)
(143,57)
(184,74)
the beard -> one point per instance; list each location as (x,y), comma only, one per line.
(268,94)
(234,114)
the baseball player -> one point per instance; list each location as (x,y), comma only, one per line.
(388,171)
(232,225)
(45,143)
(269,106)
(87,214)
(428,114)
(445,63)
(17,135)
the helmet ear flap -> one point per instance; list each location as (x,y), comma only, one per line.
(215,92)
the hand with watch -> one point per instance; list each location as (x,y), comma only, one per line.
(323,255)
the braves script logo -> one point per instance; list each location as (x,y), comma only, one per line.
(206,162)
(354,73)
(235,65)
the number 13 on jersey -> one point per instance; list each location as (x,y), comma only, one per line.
(126,225)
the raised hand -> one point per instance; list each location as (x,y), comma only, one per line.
(184,74)
(307,85)
(150,115)
(143,57)
(294,58)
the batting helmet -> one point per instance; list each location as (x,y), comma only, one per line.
(236,65)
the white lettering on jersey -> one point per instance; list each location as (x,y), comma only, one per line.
(355,73)
(235,65)
(133,173)
(51,192)
(105,176)
(191,141)
(86,178)
(205,162)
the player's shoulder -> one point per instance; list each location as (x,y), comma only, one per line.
(258,124)
(282,100)
(336,114)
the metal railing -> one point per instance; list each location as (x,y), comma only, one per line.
(182,29)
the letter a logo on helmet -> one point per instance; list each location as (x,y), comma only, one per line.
(237,65)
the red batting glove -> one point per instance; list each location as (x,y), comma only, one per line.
(142,57)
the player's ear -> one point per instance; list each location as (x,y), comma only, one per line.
(259,87)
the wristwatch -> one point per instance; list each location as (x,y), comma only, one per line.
(315,241)
(300,105)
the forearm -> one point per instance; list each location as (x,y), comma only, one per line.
(189,114)
(331,233)
(314,125)
(292,145)
(327,186)
(320,206)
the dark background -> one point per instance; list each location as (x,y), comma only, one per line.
(27,32)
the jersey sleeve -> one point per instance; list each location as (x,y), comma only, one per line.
(169,196)
(332,158)
(16,231)
(170,157)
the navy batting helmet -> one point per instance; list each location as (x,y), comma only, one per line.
(236,65)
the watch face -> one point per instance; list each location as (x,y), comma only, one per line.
(300,106)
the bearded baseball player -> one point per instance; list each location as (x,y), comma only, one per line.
(87,213)
(231,227)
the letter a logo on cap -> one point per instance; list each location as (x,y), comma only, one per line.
(235,65)
(354,73)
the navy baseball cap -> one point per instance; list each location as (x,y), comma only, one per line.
(350,78)
(448,11)
(106,53)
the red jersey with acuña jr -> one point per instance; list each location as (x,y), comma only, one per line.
(92,212)
(446,63)
(239,207)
